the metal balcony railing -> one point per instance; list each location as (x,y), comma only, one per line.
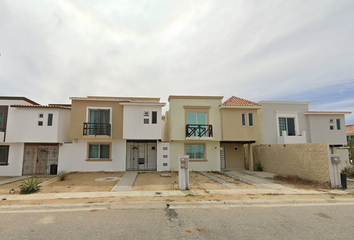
(97,129)
(199,130)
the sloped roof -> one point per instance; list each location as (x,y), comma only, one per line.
(236,101)
(101,99)
(41,106)
(18,98)
(143,103)
(350,129)
(328,112)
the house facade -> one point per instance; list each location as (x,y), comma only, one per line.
(212,133)
(115,134)
(31,136)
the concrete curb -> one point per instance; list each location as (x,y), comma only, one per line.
(174,205)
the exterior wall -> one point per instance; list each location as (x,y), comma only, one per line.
(344,157)
(79,116)
(232,128)
(64,125)
(234,159)
(15,161)
(166,127)
(309,161)
(320,131)
(212,150)
(160,156)
(133,123)
(72,157)
(270,122)
(23,125)
(178,119)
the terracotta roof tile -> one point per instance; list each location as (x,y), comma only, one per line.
(350,130)
(236,101)
(41,106)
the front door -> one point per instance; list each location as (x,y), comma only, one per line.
(143,156)
(222,158)
(40,159)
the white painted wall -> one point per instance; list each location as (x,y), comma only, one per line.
(160,156)
(72,157)
(14,168)
(133,123)
(320,131)
(23,125)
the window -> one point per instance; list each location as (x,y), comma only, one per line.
(40,115)
(146,121)
(198,123)
(165,148)
(338,124)
(195,152)
(2,121)
(99,151)
(287,124)
(236,148)
(331,127)
(243,117)
(50,119)
(99,122)
(4,155)
(165,156)
(40,123)
(154,118)
(146,113)
(250,119)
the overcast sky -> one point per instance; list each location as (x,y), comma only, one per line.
(259,50)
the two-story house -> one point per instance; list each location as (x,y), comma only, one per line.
(115,134)
(31,136)
(292,122)
(212,133)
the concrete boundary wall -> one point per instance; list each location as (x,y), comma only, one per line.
(308,160)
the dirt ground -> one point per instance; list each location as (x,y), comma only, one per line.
(82,182)
(4,189)
(154,182)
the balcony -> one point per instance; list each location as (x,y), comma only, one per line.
(285,139)
(196,131)
(97,129)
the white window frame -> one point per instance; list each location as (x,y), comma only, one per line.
(288,115)
(104,108)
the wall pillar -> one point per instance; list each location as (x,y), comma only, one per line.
(250,157)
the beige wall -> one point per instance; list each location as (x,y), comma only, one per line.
(79,114)
(177,113)
(212,151)
(234,159)
(309,161)
(232,129)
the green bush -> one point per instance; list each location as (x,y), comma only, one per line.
(259,166)
(349,171)
(30,185)
(62,175)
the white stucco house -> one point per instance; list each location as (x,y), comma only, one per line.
(31,136)
(115,134)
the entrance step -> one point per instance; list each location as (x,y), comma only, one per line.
(126,183)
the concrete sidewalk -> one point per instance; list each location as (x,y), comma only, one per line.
(126,183)
(11,180)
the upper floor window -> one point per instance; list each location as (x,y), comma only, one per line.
(338,124)
(40,115)
(154,117)
(2,121)
(287,124)
(50,119)
(146,113)
(98,122)
(250,119)
(243,118)
(197,122)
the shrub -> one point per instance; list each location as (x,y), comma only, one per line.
(349,171)
(62,175)
(30,185)
(259,166)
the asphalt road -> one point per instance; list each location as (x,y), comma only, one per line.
(251,222)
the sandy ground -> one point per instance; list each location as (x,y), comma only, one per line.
(211,198)
(4,178)
(154,182)
(82,182)
(4,189)
(232,180)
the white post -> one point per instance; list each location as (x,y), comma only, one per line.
(183,172)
